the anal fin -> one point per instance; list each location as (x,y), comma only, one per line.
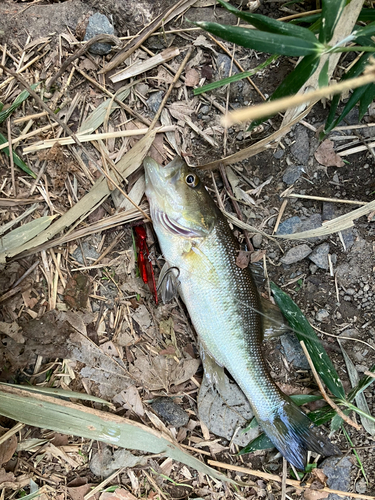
(274,323)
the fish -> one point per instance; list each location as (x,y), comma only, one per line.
(223,301)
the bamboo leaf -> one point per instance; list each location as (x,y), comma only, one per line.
(322,415)
(293,82)
(331,13)
(305,332)
(19,100)
(17,160)
(323,75)
(261,442)
(68,418)
(365,100)
(271,43)
(367,15)
(368,30)
(235,78)
(361,386)
(270,25)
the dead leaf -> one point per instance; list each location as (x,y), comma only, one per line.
(131,400)
(13,331)
(243,259)
(326,155)
(119,494)
(257,256)
(310,494)
(77,291)
(8,447)
(317,480)
(6,477)
(191,78)
(79,492)
(160,372)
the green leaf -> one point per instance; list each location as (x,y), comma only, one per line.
(336,423)
(270,25)
(366,15)
(366,100)
(235,78)
(331,13)
(68,418)
(302,399)
(293,82)
(305,332)
(361,386)
(17,160)
(368,30)
(19,100)
(271,43)
(323,75)
(261,442)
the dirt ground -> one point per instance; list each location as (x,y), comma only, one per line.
(133,350)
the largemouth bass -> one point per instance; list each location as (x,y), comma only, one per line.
(223,301)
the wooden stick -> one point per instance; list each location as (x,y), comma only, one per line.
(29,117)
(322,198)
(30,134)
(324,393)
(290,482)
(11,159)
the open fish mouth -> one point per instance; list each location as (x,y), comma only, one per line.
(174,227)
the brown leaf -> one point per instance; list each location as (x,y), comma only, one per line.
(317,479)
(257,255)
(6,477)
(314,494)
(160,372)
(243,259)
(79,492)
(131,400)
(191,78)
(119,494)
(7,448)
(77,291)
(12,330)
(326,155)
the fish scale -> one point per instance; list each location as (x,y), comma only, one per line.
(223,301)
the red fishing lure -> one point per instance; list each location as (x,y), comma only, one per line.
(144,260)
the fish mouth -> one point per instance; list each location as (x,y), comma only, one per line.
(173,226)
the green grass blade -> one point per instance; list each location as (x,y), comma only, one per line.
(361,386)
(305,332)
(366,100)
(235,78)
(270,25)
(271,43)
(18,100)
(323,75)
(356,454)
(68,418)
(331,13)
(368,30)
(17,160)
(261,442)
(367,15)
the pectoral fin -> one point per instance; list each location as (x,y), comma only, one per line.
(274,323)
(212,369)
(168,283)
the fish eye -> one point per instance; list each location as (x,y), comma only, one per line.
(192,180)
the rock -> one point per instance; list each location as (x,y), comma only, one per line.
(225,68)
(338,475)
(296,254)
(321,315)
(320,256)
(329,212)
(257,240)
(204,110)
(279,154)
(99,24)
(104,463)
(292,173)
(89,253)
(361,486)
(289,226)
(170,411)
(154,101)
(293,351)
(301,147)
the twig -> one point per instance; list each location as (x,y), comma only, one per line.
(323,391)
(270,108)
(176,77)
(11,431)
(322,198)
(69,132)
(369,374)
(283,482)
(98,38)
(290,482)
(14,186)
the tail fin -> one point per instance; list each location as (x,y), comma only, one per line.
(293,433)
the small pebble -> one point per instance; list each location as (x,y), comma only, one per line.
(154,101)
(99,24)
(319,256)
(257,240)
(292,173)
(296,254)
(170,411)
(321,315)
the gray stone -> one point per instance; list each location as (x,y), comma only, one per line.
(99,24)
(293,351)
(301,148)
(329,212)
(279,154)
(204,110)
(296,254)
(290,226)
(89,254)
(170,411)
(313,222)
(320,256)
(154,101)
(361,486)
(104,463)
(257,240)
(292,173)
(321,315)
(338,471)
(226,68)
